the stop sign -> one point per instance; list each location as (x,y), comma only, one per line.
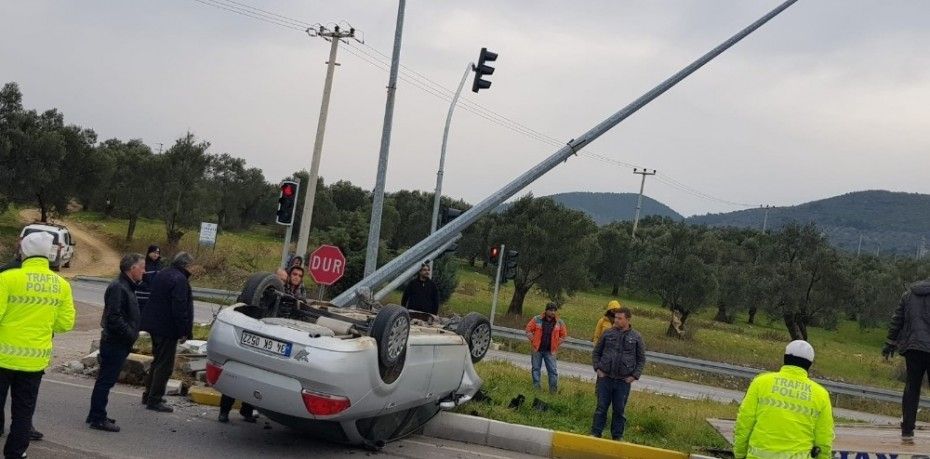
(327,265)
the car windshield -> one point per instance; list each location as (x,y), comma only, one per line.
(36,230)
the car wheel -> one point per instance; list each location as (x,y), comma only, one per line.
(261,290)
(391,329)
(476,330)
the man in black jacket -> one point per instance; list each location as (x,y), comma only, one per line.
(618,358)
(909,334)
(120,322)
(152,267)
(421,293)
(169,318)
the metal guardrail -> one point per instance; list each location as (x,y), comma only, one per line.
(718,368)
(198,291)
(726,369)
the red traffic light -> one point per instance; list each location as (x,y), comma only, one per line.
(287,190)
(494,254)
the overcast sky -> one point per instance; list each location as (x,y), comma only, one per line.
(829,97)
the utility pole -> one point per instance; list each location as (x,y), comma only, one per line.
(639,202)
(334,36)
(765,219)
(377,204)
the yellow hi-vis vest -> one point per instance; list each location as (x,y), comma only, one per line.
(783,416)
(34,304)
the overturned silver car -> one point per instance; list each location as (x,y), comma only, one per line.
(363,375)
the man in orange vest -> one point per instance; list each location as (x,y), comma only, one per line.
(546,332)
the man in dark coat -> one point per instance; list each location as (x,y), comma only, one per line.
(152,267)
(120,322)
(169,319)
(618,359)
(421,293)
(909,334)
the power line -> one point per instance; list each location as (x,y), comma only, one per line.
(378,59)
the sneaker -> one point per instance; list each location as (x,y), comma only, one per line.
(35,435)
(223,417)
(105,426)
(253,418)
(160,407)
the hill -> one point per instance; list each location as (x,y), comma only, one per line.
(888,222)
(605,208)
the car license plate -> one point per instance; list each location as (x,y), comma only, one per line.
(266,344)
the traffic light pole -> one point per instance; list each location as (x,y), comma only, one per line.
(306,216)
(416,253)
(437,195)
(497,283)
(287,245)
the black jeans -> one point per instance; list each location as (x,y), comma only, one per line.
(112,357)
(163,351)
(227,402)
(24,390)
(918,365)
(610,392)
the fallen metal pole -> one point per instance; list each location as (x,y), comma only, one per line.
(419,251)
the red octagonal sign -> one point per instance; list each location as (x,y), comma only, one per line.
(327,265)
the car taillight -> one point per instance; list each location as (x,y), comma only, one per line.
(323,404)
(213,372)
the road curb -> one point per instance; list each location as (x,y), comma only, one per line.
(538,441)
(206,396)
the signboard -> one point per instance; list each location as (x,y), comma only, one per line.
(327,265)
(208,233)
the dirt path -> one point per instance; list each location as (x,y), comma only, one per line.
(92,255)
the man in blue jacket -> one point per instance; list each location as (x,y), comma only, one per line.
(169,319)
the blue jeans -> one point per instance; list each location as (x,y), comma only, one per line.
(610,392)
(112,357)
(537,359)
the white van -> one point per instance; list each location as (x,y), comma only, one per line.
(63,250)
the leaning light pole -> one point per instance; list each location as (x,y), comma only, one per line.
(437,195)
(434,241)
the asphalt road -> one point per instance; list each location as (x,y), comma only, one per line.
(92,293)
(192,431)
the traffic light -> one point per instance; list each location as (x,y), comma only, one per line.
(287,202)
(481,70)
(449,214)
(510,265)
(494,254)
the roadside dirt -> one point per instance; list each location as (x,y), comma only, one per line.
(92,255)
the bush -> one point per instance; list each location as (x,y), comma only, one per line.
(445,274)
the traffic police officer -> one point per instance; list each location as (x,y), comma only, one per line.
(785,415)
(35,303)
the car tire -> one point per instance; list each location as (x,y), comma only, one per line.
(476,329)
(259,291)
(391,330)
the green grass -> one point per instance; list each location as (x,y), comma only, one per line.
(237,254)
(655,420)
(848,354)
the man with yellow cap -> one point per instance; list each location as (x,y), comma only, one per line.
(35,303)
(606,321)
(785,415)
